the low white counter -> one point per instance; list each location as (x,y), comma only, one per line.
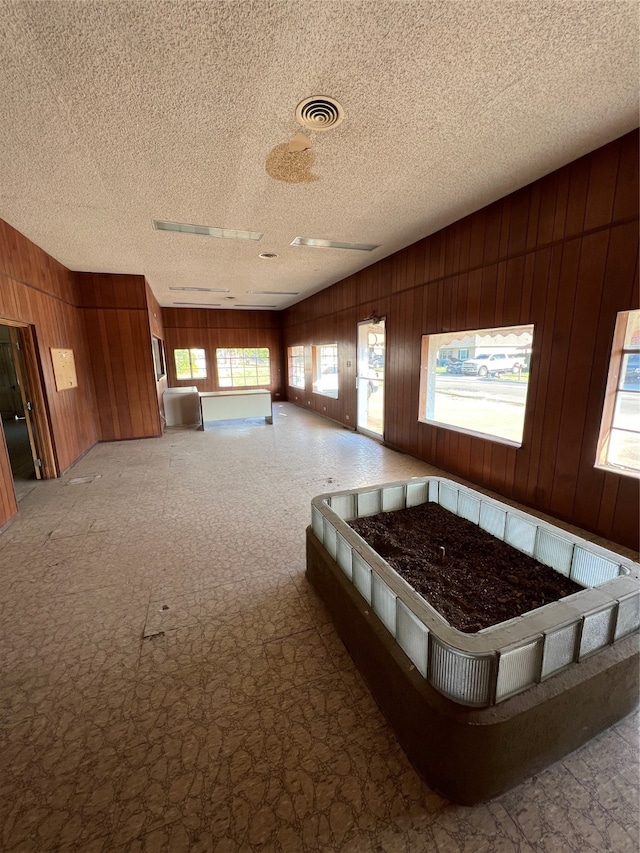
(228,405)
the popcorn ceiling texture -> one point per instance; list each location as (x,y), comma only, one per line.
(117,113)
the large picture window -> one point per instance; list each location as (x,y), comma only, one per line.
(476,381)
(619,442)
(325,369)
(243,367)
(190,363)
(295,359)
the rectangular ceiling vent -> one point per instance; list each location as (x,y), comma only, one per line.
(206,230)
(274,292)
(199,304)
(317,243)
(201,289)
(254,306)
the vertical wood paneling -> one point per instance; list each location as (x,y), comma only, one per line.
(621,264)
(602,187)
(37,290)
(547,211)
(577,200)
(115,309)
(562,200)
(585,315)
(627,198)
(519,221)
(562,254)
(8,502)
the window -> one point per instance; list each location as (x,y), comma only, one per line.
(325,369)
(484,393)
(239,368)
(157,347)
(190,363)
(619,442)
(295,358)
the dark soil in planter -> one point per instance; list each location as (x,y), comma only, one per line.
(480,582)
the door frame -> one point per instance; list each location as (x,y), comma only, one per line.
(25,335)
(369,433)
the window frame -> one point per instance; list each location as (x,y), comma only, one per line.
(192,360)
(159,360)
(240,353)
(613,388)
(430,345)
(321,362)
(293,362)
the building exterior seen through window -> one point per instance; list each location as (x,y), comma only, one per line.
(295,359)
(190,363)
(476,381)
(243,367)
(325,369)
(619,441)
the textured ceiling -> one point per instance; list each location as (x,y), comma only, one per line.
(118,113)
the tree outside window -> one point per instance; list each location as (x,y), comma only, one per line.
(295,357)
(243,367)
(190,363)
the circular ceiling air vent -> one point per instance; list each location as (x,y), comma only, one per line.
(319,113)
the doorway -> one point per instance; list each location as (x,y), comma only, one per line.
(370,377)
(16,414)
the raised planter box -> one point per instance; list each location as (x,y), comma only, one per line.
(505,675)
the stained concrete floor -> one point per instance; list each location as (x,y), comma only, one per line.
(170,682)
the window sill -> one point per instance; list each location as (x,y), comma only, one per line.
(497,439)
(618,469)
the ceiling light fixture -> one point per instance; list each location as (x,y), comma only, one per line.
(206,230)
(267,256)
(202,289)
(317,243)
(275,292)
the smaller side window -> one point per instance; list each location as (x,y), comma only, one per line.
(325,369)
(157,346)
(190,363)
(295,357)
(619,440)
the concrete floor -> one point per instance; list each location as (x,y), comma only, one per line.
(169,681)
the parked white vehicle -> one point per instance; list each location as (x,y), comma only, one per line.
(491,364)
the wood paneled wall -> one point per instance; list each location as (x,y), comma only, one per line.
(117,319)
(37,290)
(561,253)
(208,329)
